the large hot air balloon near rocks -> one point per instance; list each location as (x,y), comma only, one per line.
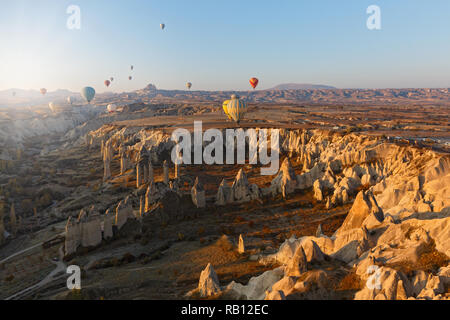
(236,108)
(254,82)
(88,93)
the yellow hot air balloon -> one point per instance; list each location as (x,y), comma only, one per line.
(236,108)
(225,108)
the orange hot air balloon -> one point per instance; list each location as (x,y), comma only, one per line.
(107,83)
(254,82)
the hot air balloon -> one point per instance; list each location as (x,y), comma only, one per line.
(43,91)
(52,107)
(225,108)
(14,94)
(70,99)
(107,83)
(111,108)
(112,79)
(130,78)
(236,108)
(254,82)
(132,67)
(189,85)
(88,93)
(162,25)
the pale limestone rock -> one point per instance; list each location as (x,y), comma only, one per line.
(312,251)
(297,265)
(364,207)
(72,237)
(107,157)
(91,231)
(318,194)
(256,287)
(224,195)
(385,284)
(240,187)
(198,194)
(286,180)
(275,295)
(124,211)
(286,286)
(241,246)
(208,284)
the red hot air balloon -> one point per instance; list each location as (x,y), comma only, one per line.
(107,83)
(254,82)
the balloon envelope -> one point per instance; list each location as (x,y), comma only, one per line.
(70,99)
(225,109)
(43,91)
(107,83)
(162,25)
(189,85)
(112,79)
(88,93)
(254,82)
(236,108)
(130,78)
(111,108)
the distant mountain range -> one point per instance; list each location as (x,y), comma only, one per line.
(300,86)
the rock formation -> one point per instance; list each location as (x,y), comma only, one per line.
(241,246)
(242,191)
(198,194)
(297,265)
(224,194)
(365,211)
(286,180)
(208,284)
(124,211)
(166,172)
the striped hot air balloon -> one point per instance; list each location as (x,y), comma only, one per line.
(254,82)
(236,108)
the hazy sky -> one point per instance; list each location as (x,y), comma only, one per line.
(220,44)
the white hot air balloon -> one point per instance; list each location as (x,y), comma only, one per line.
(111,108)
(70,99)
(52,107)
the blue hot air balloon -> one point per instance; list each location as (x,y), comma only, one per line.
(88,93)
